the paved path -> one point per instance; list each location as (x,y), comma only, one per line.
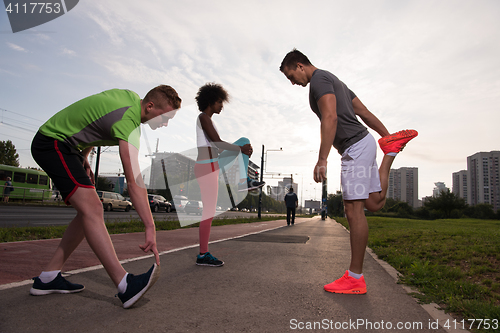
(23,260)
(272,282)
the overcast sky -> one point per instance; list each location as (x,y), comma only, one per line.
(428,65)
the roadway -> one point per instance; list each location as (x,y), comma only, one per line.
(272,281)
(39,216)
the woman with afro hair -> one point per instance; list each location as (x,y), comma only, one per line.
(213,154)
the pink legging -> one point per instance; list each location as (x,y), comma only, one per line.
(207,175)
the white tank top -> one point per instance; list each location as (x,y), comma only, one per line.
(201,138)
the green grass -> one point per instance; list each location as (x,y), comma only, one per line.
(16,234)
(454,263)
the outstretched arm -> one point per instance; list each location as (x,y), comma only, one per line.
(369,118)
(139,195)
(213,136)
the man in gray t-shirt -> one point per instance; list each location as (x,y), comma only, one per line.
(363,185)
(349,129)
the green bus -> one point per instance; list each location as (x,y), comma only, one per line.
(29,184)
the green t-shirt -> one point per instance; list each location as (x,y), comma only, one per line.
(98,120)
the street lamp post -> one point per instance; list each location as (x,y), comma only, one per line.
(259,213)
(262,169)
(97,161)
(324,197)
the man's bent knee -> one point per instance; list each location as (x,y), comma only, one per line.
(375,202)
(375,207)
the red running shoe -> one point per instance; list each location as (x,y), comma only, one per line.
(347,285)
(394,143)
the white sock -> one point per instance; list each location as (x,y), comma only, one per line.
(47,277)
(354,275)
(392,154)
(122,286)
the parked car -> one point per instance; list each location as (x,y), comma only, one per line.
(158,203)
(128,199)
(180,203)
(111,200)
(56,196)
(195,207)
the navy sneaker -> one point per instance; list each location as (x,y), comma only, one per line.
(208,260)
(137,285)
(57,286)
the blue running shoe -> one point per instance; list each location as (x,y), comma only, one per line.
(137,285)
(250,185)
(208,260)
(57,286)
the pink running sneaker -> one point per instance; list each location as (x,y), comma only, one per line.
(394,143)
(347,285)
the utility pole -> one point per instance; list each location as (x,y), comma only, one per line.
(96,173)
(324,195)
(259,214)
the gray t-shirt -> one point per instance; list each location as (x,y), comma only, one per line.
(349,129)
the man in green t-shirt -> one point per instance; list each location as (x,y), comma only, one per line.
(61,147)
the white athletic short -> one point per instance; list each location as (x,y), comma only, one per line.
(359,171)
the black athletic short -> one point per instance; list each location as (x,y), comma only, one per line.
(62,163)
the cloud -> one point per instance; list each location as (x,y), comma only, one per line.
(421,64)
(17,47)
(68,52)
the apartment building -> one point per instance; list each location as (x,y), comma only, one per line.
(459,184)
(483,179)
(403,185)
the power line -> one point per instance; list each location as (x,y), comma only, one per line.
(19,114)
(25,129)
(16,120)
(15,137)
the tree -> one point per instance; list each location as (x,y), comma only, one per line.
(403,209)
(422,213)
(480,211)
(268,203)
(445,204)
(335,204)
(389,204)
(8,154)
(103,184)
